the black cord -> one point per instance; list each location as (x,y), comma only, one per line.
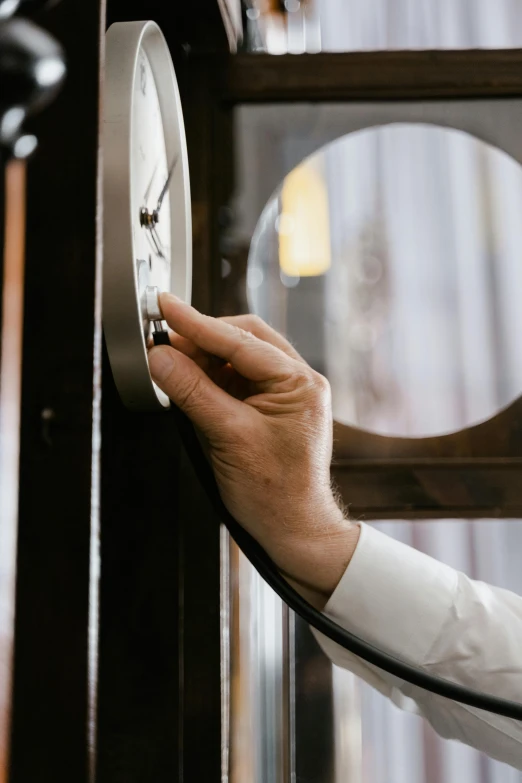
(321,622)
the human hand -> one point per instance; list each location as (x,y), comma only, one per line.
(267,418)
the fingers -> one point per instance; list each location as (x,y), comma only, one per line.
(250,323)
(210,408)
(258,327)
(190,349)
(253,358)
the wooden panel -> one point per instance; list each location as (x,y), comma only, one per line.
(200,639)
(497,439)
(11,312)
(198,109)
(210,150)
(53,697)
(413,491)
(139,620)
(358,76)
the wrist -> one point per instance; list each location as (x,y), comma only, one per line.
(316,556)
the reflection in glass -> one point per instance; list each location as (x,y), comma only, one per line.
(416,320)
(259,693)
(416,323)
(296,718)
(303,225)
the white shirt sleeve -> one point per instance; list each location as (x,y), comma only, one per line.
(434,617)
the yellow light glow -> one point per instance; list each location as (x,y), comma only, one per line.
(304,225)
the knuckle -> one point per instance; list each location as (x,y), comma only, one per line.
(240,340)
(321,383)
(243,334)
(317,389)
(299,380)
(303,377)
(255,321)
(243,337)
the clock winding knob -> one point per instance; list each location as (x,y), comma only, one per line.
(153,308)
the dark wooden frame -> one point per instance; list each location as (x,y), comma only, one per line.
(473,473)
(370,76)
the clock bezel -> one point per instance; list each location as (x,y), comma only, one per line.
(122,308)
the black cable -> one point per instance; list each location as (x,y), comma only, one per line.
(321,622)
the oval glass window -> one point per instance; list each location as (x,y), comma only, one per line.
(392,259)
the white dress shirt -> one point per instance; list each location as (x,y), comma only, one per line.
(435,617)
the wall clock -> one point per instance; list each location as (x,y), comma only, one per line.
(147,218)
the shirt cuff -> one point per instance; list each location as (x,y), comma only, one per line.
(392,596)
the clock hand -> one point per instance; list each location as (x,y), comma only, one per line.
(147,192)
(158,245)
(155,242)
(150,219)
(166,185)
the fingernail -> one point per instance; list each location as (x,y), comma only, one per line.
(161,362)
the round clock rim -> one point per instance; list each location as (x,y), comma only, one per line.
(122,310)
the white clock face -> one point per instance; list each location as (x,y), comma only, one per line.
(147,232)
(150,170)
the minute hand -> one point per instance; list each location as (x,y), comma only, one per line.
(165,187)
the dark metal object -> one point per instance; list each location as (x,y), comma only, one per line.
(32,70)
(8,8)
(148,219)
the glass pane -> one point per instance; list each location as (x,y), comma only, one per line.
(295,717)
(350,25)
(299,26)
(423,235)
(259,693)
(391,260)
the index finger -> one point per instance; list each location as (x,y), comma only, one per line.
(255,359)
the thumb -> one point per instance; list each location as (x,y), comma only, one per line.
(208,406)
